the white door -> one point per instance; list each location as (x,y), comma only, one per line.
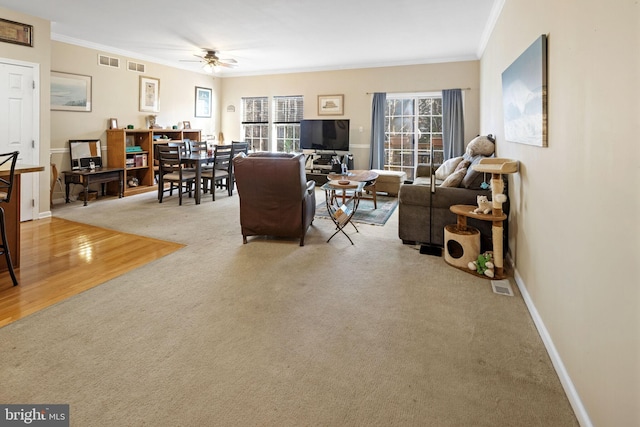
(17,127)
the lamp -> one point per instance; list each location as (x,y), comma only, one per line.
(208,68)
(429,249)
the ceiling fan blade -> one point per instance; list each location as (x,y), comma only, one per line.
(229,60)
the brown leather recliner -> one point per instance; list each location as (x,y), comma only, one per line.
(275,197)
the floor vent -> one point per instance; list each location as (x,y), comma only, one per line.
(502,287)
(134,66)
(108,61)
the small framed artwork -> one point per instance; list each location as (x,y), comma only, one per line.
(330,105)
(70,92)
(113,123)
(15,32)
(149,94)
(186,125)
(203,102)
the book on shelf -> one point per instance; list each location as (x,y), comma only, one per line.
(140,160)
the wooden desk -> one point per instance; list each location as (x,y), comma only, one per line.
(87,177)
(12,212)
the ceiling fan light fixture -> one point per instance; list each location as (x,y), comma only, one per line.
(208,68)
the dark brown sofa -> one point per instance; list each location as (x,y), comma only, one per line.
(275,197)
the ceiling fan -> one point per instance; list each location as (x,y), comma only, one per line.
(211,62)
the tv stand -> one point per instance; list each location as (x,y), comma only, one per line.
(319,164)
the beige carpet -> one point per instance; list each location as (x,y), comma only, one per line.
(273,334)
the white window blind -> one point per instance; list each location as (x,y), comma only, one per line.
(255,110)
(287,109)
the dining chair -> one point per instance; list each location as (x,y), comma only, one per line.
(6,185)
(197,146)
(202,147)
(240,147)
(237,148)
(173,172)
(220,175)
(177,145)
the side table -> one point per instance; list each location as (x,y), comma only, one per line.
(87,177)
(367,176)
(341,214)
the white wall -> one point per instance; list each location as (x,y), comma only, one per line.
(575,205)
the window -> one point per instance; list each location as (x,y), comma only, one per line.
(413,126)
(288,111)
(255,123)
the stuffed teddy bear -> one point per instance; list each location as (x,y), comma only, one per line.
(481,145)
(483,265)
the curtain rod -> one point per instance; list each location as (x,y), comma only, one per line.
(417,91)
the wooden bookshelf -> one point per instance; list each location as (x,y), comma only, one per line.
(139,164)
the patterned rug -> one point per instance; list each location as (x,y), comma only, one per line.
(366,214)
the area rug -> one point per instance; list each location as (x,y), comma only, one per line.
(366,214)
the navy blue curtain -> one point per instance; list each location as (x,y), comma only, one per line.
(378,108)
(452,123)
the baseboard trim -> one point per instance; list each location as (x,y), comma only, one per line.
(44,215)
(556,360)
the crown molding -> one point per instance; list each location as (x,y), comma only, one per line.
(496,10)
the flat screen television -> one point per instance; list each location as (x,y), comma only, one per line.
(324,134)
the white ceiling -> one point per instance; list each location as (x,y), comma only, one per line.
(274,36)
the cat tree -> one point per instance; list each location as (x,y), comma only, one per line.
(496,167)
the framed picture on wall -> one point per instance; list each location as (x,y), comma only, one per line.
(330,105)
(149,94)
(203,102)
(16,32)
(524,96)
(70,92)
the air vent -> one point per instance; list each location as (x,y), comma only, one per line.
(502,287)
(108,61)
(134,66)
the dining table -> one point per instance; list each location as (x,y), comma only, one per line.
(197,160)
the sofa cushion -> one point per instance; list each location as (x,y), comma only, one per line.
(473,179)
(447,168)
(455,178)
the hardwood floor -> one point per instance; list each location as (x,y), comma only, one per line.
(61,258)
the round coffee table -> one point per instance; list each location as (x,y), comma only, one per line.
(366,176)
